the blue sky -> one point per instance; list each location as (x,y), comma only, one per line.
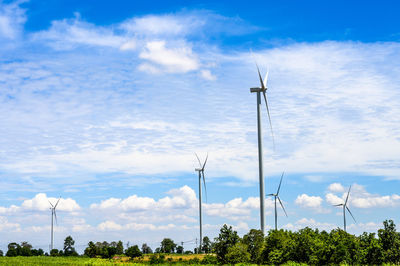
(105,104)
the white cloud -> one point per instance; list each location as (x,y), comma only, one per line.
(177,59)
(5,225)
(12,18)
(336,187)
(312,202)
(68,33)
(206,74)
(360,198)
(41,203)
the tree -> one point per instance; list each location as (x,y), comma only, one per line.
(133,252)
(167,246)
(91,250)
(238,254)
(390,241)
(69,249)
(206,246)
(13,250)
(227,238)
(146,249)
(25,249)
(120,248)
(1,253)
(179,249)
(255,243)
(54,252)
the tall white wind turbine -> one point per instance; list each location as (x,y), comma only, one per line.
(53,217)
(276,197)
(201,175)
(263,90)
(345,207)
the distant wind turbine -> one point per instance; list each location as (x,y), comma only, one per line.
(263,90)
(345,207)
(201,174)
(53,217)
(276,196)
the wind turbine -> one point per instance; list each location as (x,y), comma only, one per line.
(201,174)
(53,214)
(345,207)
(276,196)
(262,90)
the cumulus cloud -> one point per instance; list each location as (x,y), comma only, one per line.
(311,202)
(181,198)
(336,187)
(41,203)
(360,198)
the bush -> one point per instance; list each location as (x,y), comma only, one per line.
(237,254)
(209,259)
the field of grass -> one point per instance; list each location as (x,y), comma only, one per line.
(43,260)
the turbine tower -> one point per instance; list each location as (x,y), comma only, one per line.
(201,174)
(53,214)
(276,196)
(345,207)
(262,90)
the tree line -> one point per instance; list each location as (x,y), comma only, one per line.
(307,245)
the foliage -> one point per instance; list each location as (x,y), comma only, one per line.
(238,254)
(206,245)
(226,239)
(209,259)
(133,252)
(255,243)
(179,249)
(167,246)
(146,249)
(69,249)
(157,259)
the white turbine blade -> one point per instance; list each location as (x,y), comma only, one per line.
(351,214)
(205,162)
(204,181)
(258,70)
(269,118)
(50,203)
(266,79)
(341,204)
(271,194)
(198,159)
(282,205)
(280,184)
(57,203)
(348,193)
(55,216)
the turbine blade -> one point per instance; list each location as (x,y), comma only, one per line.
(205,187)
(351,214)
(57,202)
(258,70)
(198,159)
(55,216)
(271,194)
(341,204)
(280,183)
(205,162)
(50,203)
(269,118)
(282,205)
(348,193)
(261,80)
(266,79)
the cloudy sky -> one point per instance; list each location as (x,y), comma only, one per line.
(104,105)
